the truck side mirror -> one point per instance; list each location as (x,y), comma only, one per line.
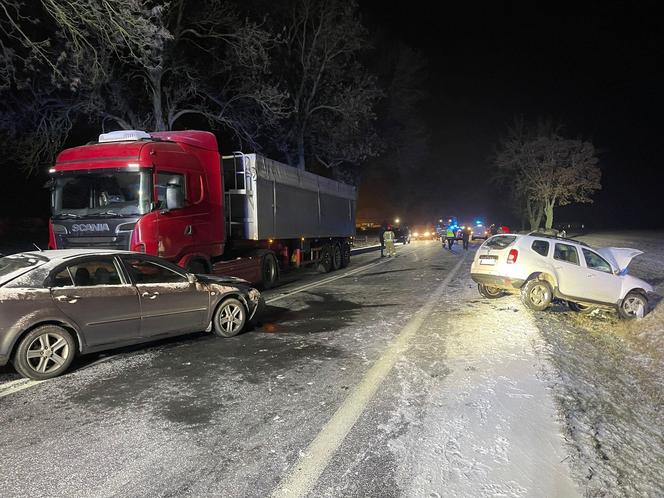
(174,197)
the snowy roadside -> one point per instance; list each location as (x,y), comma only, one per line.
(610,386)
(489,425)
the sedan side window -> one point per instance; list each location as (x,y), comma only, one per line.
(541,247)
(88,274)
(147,272)
(567,253)
(595,262)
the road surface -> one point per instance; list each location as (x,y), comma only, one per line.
(390,378)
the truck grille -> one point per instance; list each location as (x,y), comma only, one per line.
(120,241)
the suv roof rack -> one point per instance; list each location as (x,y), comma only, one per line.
(556,237)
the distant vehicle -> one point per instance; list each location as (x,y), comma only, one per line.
(402,234)
(56,304)
(543,267)
(424,233)
(479,231)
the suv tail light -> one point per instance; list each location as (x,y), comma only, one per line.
(512,256)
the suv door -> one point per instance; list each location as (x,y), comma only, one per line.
(170,304)
(94,294)
(604,285)
(572,277)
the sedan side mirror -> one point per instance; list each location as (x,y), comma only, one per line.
(192,278)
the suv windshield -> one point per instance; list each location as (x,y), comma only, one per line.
(100,193)
(500,241)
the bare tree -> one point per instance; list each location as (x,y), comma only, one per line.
(331,96)
(132,64)
(543,170)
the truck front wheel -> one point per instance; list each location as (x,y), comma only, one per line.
(269,271)
(198,267)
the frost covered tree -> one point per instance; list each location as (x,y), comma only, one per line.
(330,94)
(543,170)
(130,64)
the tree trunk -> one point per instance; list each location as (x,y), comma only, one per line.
(300,150)
(534,214)
(549,215)
(157,110)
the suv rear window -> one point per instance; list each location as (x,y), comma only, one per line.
(541,247)
(500,241)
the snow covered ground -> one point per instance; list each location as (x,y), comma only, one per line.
(610,385)
(529,399)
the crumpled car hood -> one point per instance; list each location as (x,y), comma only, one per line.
(620,257)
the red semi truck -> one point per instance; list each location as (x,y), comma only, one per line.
(171,194)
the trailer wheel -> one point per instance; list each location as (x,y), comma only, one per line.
(336,257)
(269,271)
(345,254)
(325,263)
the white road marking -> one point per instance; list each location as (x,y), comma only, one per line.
(311,464)
(323,282)
(16,387)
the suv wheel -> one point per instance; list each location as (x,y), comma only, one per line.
(581,308)
(490,292)
(537,294)
(635,305)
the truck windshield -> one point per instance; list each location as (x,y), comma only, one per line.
(101,193)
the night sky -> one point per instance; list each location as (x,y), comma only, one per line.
(596,67)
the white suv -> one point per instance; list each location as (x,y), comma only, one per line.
(545,267)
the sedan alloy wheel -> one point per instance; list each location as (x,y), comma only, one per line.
(229,318)
(44,353)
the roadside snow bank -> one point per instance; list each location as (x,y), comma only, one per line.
(611,383)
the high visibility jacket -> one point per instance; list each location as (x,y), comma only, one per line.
(450,233)
(388,236)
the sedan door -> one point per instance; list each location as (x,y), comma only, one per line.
(93,293)
(170,303)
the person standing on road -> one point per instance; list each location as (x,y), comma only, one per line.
(465,237)
(450,237)
(388,236)
(381,239)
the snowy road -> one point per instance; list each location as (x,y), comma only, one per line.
(395,380)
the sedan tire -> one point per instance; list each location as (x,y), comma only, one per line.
(635,305)
(44,352)
(490,292)
(229,318)
(537,294)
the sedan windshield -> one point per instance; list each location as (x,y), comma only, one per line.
(100,193)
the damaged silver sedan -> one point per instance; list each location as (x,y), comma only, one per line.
(56,304)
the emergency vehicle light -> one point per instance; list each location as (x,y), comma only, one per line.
(123,136)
